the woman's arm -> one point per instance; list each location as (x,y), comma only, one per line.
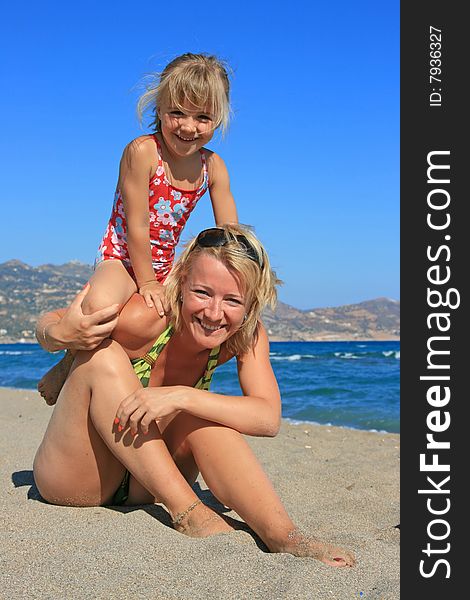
(257,412)
(135,172)
(223,203)
(68,328)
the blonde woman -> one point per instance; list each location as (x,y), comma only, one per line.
(140,431)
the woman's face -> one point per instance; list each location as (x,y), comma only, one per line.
(214,302)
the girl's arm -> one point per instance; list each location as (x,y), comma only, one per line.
(68,328)
(257,412)
(134,174)
(223,204)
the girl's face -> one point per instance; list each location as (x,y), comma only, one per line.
(185,130)
(214,303)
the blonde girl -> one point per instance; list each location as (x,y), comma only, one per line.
(162,176)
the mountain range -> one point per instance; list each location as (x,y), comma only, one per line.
(26,292)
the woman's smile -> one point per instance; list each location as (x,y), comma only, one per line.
(207,326)
(213,304)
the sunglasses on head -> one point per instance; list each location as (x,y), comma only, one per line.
(216,237)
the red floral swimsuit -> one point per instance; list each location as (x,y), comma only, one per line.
(169,209)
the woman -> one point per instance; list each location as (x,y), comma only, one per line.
(111,441)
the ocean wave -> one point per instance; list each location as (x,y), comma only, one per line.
(290,357)
(348,355)
(293,357)
(307,423)
(278,356)
(358,355)
(14,352)
(392,353)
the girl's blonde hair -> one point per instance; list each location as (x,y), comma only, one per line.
(201,79)
(257,279)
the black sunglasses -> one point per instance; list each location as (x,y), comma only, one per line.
(216,237)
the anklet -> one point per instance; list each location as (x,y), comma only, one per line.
(180,516)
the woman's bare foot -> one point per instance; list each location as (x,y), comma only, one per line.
(201,521)
(51,383)
(299,544)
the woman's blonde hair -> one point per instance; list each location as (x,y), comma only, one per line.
(256,277)
(202,79)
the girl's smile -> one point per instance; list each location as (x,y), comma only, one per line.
(185,130)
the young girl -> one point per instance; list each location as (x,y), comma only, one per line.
(162,176)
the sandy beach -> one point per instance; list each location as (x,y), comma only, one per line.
(339,484)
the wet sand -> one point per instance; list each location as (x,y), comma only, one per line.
(341,485)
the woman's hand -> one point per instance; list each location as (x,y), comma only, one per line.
(72,329)
(154,295)
(149,404)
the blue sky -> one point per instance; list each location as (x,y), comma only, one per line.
(312,151)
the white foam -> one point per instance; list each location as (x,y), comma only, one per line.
(348,355)
(306,422)
(293,357)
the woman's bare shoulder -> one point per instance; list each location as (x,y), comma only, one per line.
(259,348)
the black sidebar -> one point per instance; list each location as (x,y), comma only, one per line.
(435,175)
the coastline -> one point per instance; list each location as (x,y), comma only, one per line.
(339,484)
(274,338)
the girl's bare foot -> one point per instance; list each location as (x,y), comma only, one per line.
(299,544)
(51,383)
(200,521)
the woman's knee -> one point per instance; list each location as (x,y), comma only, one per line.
(191,429)
(110,351)
(108,358)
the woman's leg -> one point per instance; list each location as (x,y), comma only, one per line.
(83,457)
(233,474)
(109,284)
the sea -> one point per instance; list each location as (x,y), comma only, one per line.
(346,384)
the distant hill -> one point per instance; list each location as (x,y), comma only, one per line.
(377,319)
(26,292)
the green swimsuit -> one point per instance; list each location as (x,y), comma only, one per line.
(143,366)
(143,369)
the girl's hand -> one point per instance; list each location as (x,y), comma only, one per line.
(149,404)
(154,295)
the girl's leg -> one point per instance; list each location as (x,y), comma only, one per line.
(109,284)
(82,458)
(51,382)
(233,474)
